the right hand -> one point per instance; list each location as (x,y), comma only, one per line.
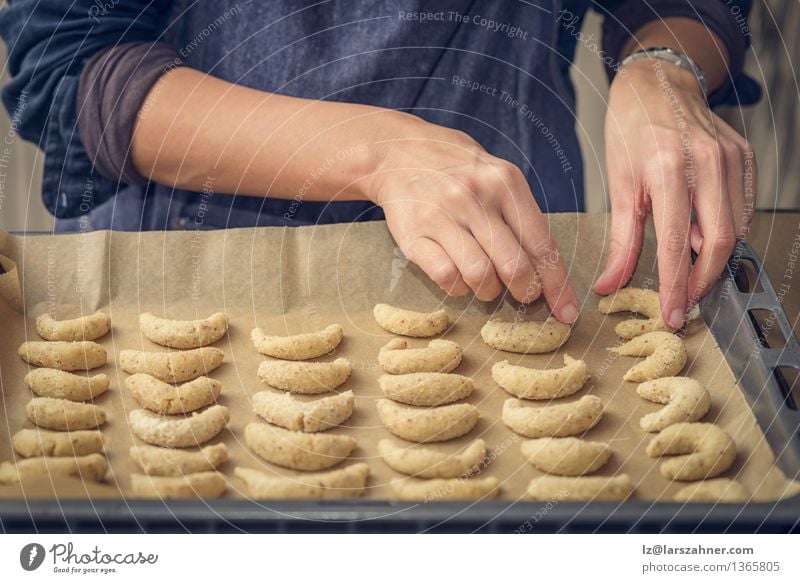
(467,218)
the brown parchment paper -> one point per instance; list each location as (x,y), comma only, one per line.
(290,280)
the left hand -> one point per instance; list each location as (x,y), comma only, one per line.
(667,152)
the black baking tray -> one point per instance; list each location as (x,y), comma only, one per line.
(729,311)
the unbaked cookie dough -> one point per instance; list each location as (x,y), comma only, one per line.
(90,327)
(188,431)
(63,415)
(183,333)
(172,367)
(306,378)
(286,411)
(68,356)
(299,346)
(525,337)
(428,462)
(349,482)
(409,322)
(59,384)
(427,425)
(296,450)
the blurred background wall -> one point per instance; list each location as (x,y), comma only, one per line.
(772,126)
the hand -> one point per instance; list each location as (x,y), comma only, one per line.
(468,219)
(667,152)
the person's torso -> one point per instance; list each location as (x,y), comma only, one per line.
(493,69)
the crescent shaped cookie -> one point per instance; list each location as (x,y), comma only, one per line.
(92,467)
(685,399)
(560,420)
(580,489)
(59,384)
(566,456)
(172,367)
(349,482)
(183,333)
(427,425)
(531,383)
(665,352)
(722,490)
(167,399)
(296,450)
(68,356)
(639,301)
(162,461)
(525,337)
(409,322)
(43,443)
(426,388)
(63,415)
(299,346)
(188,431)
(286,411)
(703,450)
(89,327)
(440,356)
(307,378)
(427,462)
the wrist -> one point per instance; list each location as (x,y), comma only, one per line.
(391,144)
(660,72)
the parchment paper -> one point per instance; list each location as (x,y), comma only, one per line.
(290,280)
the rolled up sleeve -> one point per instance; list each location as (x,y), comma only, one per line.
(49,44)
(725,18)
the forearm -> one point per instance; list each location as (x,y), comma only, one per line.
(194,129)
(467,218)
(689,37)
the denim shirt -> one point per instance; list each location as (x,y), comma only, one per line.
(495,70)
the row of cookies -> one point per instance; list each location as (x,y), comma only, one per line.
(703,451)
(297,433)
(555,444)
(179,410)
(420,407)
(66,439)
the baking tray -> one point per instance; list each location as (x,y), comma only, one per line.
(730,313)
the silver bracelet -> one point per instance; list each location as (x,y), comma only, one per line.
(673,57)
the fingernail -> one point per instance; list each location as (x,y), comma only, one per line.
(569,313)
(676,318)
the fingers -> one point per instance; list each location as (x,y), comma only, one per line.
(509,259)
(724,205)
(531,229)
(433,260)
(714,216)
(734,178)
(742,176)
(627,232)
(483,232)
(750,190)
(473,264)
(668,190)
